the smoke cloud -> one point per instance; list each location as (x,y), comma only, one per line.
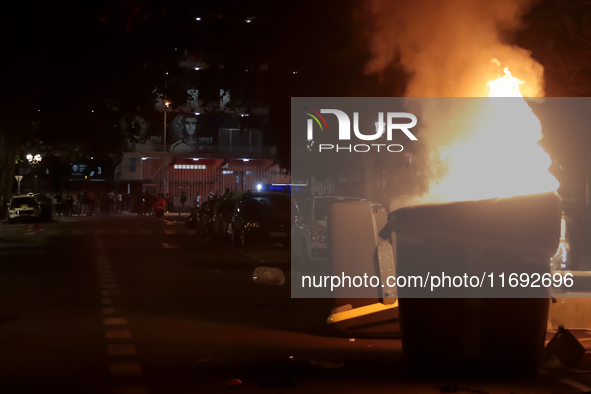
(448,45)
(450,48)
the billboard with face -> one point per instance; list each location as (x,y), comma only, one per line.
(143,132)
(186,132)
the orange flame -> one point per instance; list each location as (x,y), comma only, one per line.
(498,155)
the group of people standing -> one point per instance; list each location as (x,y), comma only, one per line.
(88,202)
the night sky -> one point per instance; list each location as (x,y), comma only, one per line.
(69,60)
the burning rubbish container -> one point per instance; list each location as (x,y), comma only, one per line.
(491,323)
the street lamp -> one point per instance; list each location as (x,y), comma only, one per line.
(166,106)
(33,161)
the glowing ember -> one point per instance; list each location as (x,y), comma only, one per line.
(497,153)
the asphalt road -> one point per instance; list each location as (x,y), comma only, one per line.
(127,304)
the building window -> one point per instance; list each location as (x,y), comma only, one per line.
(189,166)
(227,172)
(132,165)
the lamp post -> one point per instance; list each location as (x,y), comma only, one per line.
(166,106)
(33,161)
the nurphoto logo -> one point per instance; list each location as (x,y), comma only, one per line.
(344,132)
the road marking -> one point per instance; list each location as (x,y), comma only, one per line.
(115,321)
(110,292)
(113,334)
(576,385)
(121,350)
(121,369)
(108,289)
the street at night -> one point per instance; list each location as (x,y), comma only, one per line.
(130,304)
(260,196)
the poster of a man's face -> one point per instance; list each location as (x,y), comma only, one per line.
(135,128)
(138,133)
(190,124)
(184,131)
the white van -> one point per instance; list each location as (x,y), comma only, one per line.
(23,207)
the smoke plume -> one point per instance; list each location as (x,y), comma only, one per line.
(450,48)
(448,45)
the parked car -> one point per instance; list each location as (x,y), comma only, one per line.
(23,207)
(309,231)
(261,217)
(205,215)
(222,211)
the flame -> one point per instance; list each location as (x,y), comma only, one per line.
(505,86)
(497,155)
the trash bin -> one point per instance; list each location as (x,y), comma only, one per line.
(497,331)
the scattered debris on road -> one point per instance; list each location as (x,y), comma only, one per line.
(565,347)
